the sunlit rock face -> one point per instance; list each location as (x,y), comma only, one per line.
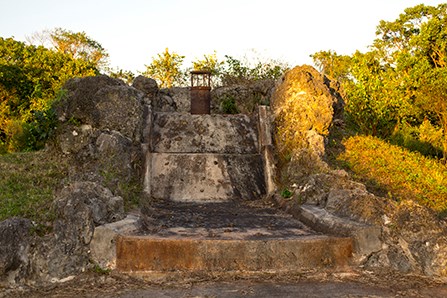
(304,104)
(103,103)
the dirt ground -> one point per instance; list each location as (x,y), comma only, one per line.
(308,284)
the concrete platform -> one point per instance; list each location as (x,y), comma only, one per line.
(225,237)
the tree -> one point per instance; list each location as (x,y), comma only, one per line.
(76,44)
(332,65)
(398,82)
(166,69)
(210,62)
(235,71)
(30,79)
(125,75)
(432,96)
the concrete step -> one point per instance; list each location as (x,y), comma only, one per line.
(205,177)
(222,237)
(149,253)
(186,133)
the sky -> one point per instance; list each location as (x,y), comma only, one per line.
(135,31)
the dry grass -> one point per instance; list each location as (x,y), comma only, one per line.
(404,174)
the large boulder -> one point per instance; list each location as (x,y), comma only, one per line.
(148,86)
(175,99)
(103,103)
(101,130)
(15,240)
(415,241)
(79,208)
(304,104)
(104,206)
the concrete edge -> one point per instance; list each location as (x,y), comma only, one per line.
(266,147)
(366,238)
(145,253)
(103,243)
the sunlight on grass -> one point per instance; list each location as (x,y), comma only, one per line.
(405,174)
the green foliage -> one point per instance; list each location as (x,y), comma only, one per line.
(332,65)
(78,45)
(30,79)
(401,80)
(228,105)
(432,135)
(99,270)
(415,139)
(166,69)
(235,71)
(125,75)
(404,174)
(210,63)
(285,193)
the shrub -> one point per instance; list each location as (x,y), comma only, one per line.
(228,105)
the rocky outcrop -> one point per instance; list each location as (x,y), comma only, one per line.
(148,86)
(103,103)
(307,105)
(15,243)
(304,104)
(80,207)
(24,256)
(102,128)
(100,134)
(415,241)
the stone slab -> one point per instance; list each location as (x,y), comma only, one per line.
(206,177)
(148,253)
(103,244)
(366,237)
(186,133)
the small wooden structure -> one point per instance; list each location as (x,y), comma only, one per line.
(200,92)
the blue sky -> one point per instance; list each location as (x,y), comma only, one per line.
(134,31)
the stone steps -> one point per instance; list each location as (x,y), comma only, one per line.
(225,237)
(205,178)
(153,254)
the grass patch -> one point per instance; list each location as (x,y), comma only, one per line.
(28,182)
(404,174)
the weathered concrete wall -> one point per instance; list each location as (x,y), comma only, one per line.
(206,177)
(176,133)
(205,158)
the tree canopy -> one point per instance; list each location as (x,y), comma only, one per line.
(76,44)
(30,79)
(401,81)
(166,69)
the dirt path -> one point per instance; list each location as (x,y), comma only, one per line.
(312,284)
